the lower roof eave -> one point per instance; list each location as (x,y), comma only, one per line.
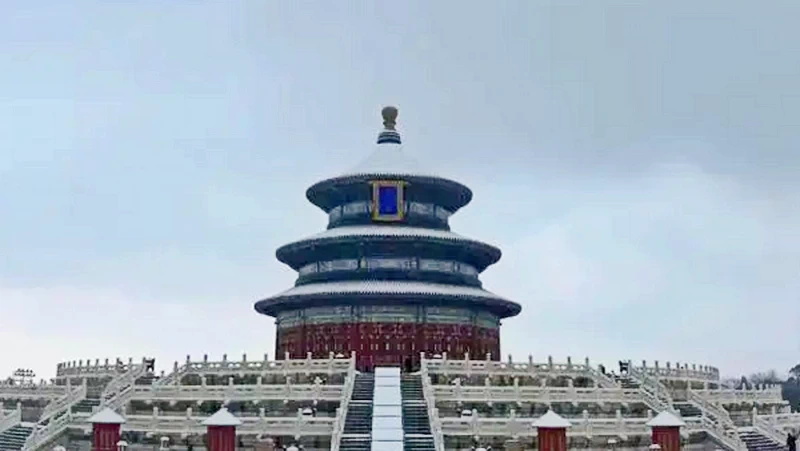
(274,305)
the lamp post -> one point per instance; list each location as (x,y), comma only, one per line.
(23,375)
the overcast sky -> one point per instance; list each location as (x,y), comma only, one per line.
(637,162)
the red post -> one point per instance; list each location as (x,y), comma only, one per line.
(552,432)
(666,431)
(105,430)
(221,430)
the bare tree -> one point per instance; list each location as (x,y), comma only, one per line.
(766,377)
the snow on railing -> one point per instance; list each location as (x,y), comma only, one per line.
(709,408)
(768,429)
(297,426)
(441,364)
(656,393)
(9,419)
(123,382)
(514,426)
(758,395)
(775,425)
(87,369)
(331,365)
(782,420)
(728,437)
(55,418)
(601,379)
(341,411)
(587,426)
(31,391)
(42,435)
(682,372)
(64,403)
(433,412)
(287,391)
(519,394)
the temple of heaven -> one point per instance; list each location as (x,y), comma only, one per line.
(388,279)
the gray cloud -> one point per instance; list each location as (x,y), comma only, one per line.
(636,161)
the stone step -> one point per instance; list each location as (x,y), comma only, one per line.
(359,414)
(13,439)
(758,442)
(360,443)
(418,444)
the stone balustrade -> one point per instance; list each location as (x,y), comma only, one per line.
(781,421)
(586,426)
(32,391)
(297,426)
(331,365)
(63,403)
(760,395)
(10,418)
(42,435)
(678,371)
(237,392)
(341,411)
(443,365)
(185,425)
(542,395)
(88,368)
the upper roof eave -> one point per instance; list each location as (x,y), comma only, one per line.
(320,193)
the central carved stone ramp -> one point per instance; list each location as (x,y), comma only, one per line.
(416,424)
(387,419)
(358,423)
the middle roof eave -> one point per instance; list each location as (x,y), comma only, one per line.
(388,231)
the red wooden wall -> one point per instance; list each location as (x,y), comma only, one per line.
(668,437)
(552,439)
(105,436)
(388,343)
(221,438)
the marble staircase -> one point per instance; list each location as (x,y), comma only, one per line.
(358,423)
(13,439)
(416,424)
(758,442)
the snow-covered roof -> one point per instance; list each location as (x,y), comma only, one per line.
(666,419)
(222,418)
(388,231)
(388,287)
(389,159)
(551,420)
(106,416)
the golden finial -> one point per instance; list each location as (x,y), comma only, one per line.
(389,114)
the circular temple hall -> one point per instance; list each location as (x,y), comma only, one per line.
(388,279)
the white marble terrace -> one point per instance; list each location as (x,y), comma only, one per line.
(259,385)
(465,381)
(491,382)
